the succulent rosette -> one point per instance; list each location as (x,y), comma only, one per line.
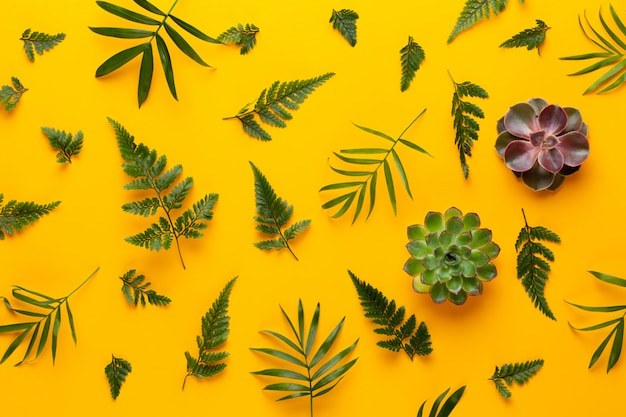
(451,256)
(542,143)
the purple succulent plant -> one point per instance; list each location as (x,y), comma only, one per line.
(542,143)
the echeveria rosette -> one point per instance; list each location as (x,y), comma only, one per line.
(451,256)
(542,143)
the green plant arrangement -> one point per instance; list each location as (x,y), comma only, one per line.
(47,314)
(39,42)
(317,377)
(447,407)
(243,36)
(14,215)
(148,168)
(411,57)
(116,372)
(135,290)
(67,144)
(532,262)
(273,213)
(404,334)
(530,38)
(344,21)
(273,105)
(474,11)
(519,373)
(464,113)
(542,143)
(146,49)
(611,54)
(617,333)
(215,330)
(451,256)
(376,158)
(10,95)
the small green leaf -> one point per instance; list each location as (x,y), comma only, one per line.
(127,14)
(411,57)
(530,38)
(120,59)
(116,373)
(344,21)
(183,45)
(145,74)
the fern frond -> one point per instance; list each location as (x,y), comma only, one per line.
(530,38)
(447,407)
(67,144)
(344,21)
(11,95)
(384,313)
(274,213)
(376,158)
(136,290)
(532,269)
(39,42)
(274,104)
(14,215)
(411,57)
(148,168)
(215,330)
(241,36)
(474,11)
(116,373)
(517,372)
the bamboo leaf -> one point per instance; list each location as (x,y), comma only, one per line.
(390,187)
(123,33)
(149,7)
(145,74)
(127,14)
(616,350)
(119,59)
(183,45)
(193,30)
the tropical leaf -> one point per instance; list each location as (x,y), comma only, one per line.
(411,57)
(517,372)
(243,36)
(314,375)
(530,38)
(67,144)
(344,21)
(209,362)
(116,373)
(447,407)
(274,104)
(136,290)
(148,169)
(14,215)
(39,42)
(10,95)
(47,316)
(368,163)
(474,11)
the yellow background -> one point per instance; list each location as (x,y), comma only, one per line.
(297,42)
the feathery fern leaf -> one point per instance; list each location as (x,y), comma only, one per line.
(273,214)
(14,216)
(518,372)
(39,42)
(136,290)
(317,377)
(447,407)
(411,57)
(344,21)
(116,373)
(377,158)
(474,11)
(381,311)
(146,49)
(241,36)
(529,38)
(273,105)
(531,268)
(214,334)
(11,95)
(47,317)
(465,127)
(68,146)
(148,169)
(613,54)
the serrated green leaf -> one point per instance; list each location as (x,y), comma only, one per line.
(474,11)
(39,42)
(15,216)
(10,95)
(344,21)
(530,38)
(245,37)
(116,373)
(411,57)
(519,373)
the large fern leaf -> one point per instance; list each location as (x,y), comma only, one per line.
(39,42)
(517,372)
(117,371)
(344,21)
(474,11)
(10,95)
(14,215)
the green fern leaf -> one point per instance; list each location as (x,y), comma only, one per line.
(116,373)
(214,334)
(46,313)
(39,42)
(344,21)
(474,11)
(447,407)
(530,38)
(136,290)
(144,164)
(11,95)
(465,127)
(411,57)
(14,215)
(383,313)
(272,214)
(518,373)
(532,269)
(245,37)
(273,102)
(68,146)
(373,159)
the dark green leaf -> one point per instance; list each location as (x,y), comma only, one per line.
(127,14)
(119,59)
(344,21)
(183,45)
(411,57)
(145,74)
(123,33)
(193,30)
(116,373)
(149,7)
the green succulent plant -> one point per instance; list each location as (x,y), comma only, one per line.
(451,256)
